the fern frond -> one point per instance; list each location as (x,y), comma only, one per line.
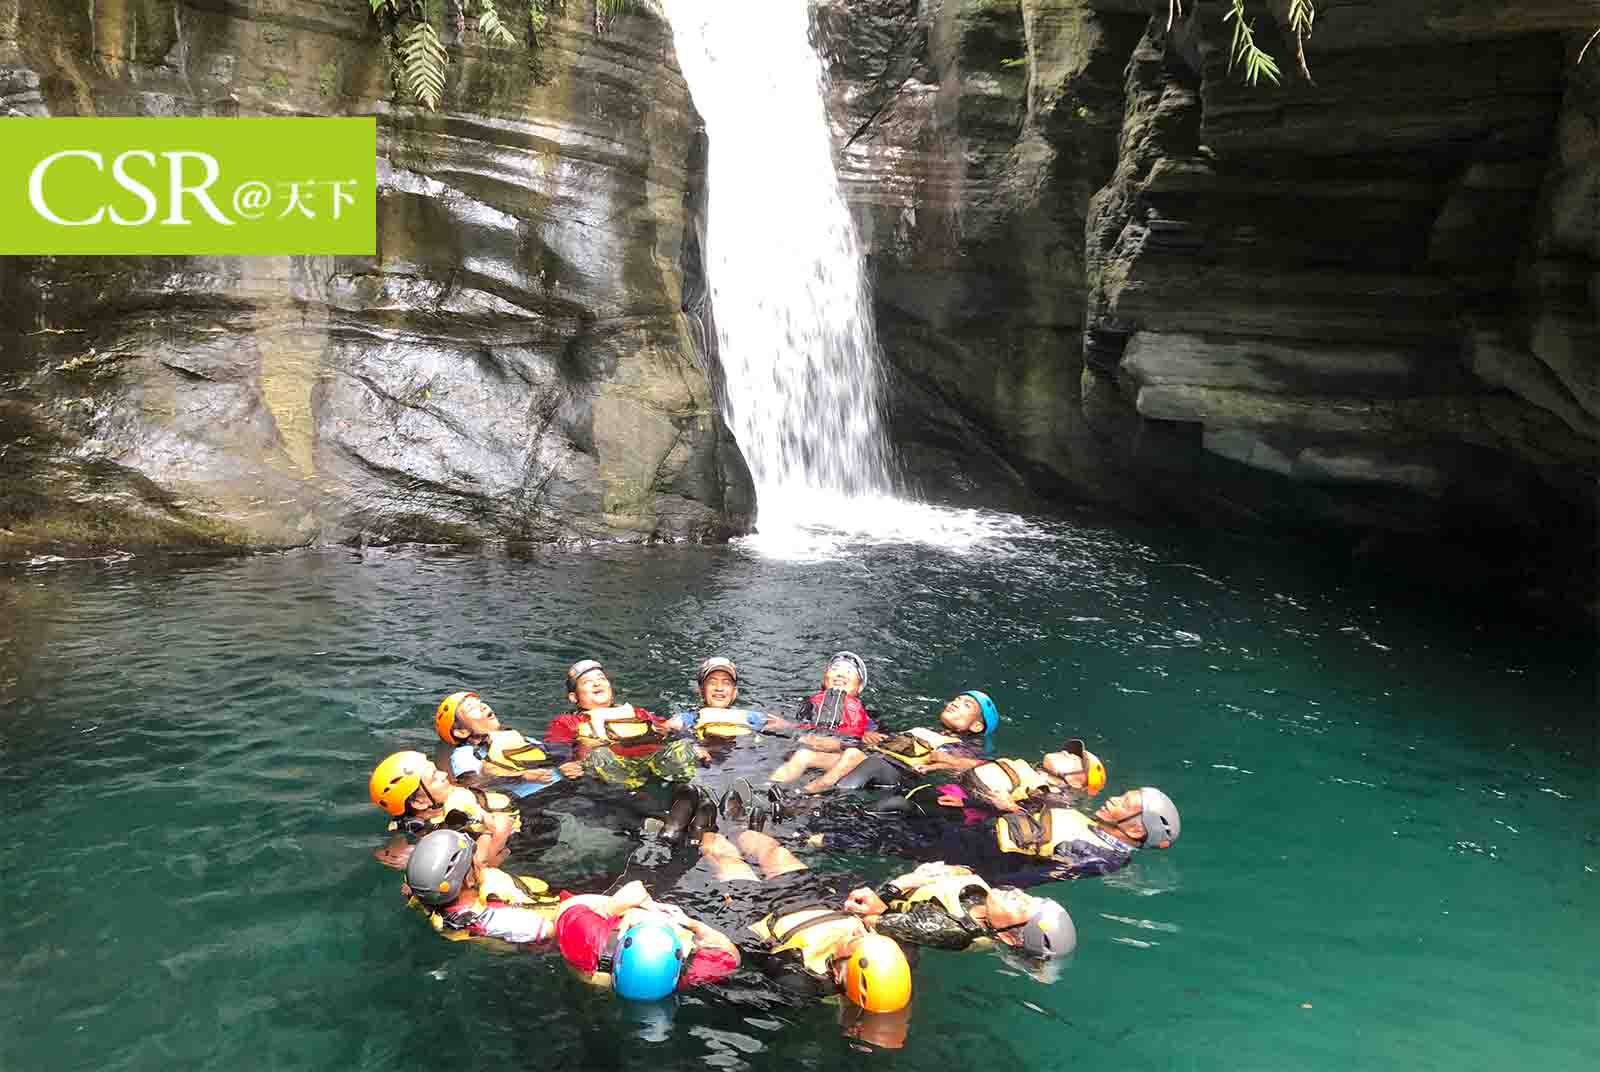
(490,26)
(1257,62)
(422,62)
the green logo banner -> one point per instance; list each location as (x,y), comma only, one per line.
(251,186)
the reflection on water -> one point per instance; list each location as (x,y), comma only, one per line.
(1389,844)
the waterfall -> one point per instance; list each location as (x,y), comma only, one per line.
(804,384)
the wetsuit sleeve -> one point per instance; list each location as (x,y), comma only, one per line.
(708,966)
(930,925)
(789,972)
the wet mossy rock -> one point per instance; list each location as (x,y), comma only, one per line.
(513,365)
(1106,269)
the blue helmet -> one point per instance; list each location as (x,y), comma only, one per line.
(648,960)
(991,713)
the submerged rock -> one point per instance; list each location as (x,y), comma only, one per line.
(514,364)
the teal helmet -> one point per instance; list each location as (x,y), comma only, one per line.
(648,961)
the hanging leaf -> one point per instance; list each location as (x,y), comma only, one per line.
(422,61)
(490,26)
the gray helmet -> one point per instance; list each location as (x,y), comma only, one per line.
(439,866)
(1049,932)
(1160,816)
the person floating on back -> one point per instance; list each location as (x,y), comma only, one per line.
(641,949)
(463,899)
(831,714)
(1016,848)
(718,721)
(619,745)
(484,750)
(965,735)
(420,798)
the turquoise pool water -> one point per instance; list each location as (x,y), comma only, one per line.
(1390,817)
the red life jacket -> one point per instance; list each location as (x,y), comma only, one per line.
(855,721)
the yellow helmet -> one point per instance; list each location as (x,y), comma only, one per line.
(444,719)
(877,976)
(395,779)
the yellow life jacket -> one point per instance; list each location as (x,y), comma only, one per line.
(512,751)
(815,931)
(521,891)
(1013,778)
(722,723)
(915,747)
(475,804)
(1018,832)
(619,724)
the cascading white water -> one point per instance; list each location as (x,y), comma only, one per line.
(794,326)
(800,359)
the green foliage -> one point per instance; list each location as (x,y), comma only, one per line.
(1256,61)
(411,28)
(422,64)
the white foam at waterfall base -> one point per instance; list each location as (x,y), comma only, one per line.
(795,338)
(818,526)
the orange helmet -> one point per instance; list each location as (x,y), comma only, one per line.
(444,719)
(395,779)
(877,977)
(1094,771)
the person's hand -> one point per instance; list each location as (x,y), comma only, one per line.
(539,776)
(395,853)
(702,754)
(864,902)
(872,738)
(571,769)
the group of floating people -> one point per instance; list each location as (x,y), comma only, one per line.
(984,828)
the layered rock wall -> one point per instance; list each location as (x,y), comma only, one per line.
(1365,304)
(514,364)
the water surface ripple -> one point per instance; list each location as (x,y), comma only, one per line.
(1389,806)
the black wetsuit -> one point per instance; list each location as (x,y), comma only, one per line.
(925,837)
(927,923)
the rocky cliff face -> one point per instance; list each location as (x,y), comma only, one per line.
(1366,304)
(513,364)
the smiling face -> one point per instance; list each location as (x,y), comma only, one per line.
(592,690)
(719,689)
(474,718)
(962,715)
(841,675)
